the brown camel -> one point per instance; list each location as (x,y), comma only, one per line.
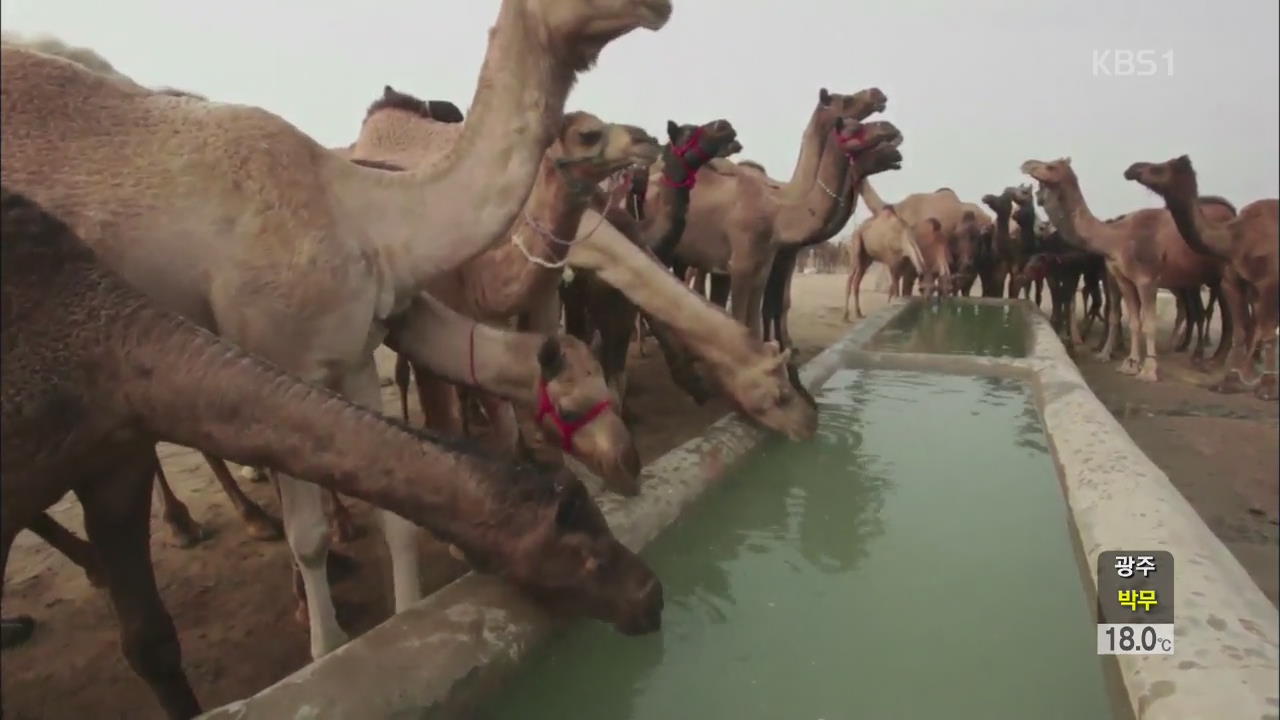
(593,308)
(1143,250)
(738,218)
(867,149)
(755,375)
(1247,245)
(514,277)
(884,238)
(303,257)
(94,374)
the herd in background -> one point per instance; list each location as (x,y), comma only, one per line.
(238,278)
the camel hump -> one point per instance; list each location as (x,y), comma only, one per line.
(754,165)
(441,111)
(969,216)
(1218,200)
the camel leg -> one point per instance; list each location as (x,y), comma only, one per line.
(1240,372)
(1073,323)
(260,524)
(76,549)
(402,384)
(1179,319)
(1265,332)
(639,334)
(1202,329)
(1112,310)
(1147,305)
(853,286)
(721,286)
(740,307)
(185,531)
(1236,320)
(1133,306)
(117,512)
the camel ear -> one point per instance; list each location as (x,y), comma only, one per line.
(387,91)
(550,360)
(673,130)
(824,97)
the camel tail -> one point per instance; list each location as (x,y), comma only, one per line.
(914,254)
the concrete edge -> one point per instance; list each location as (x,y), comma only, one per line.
(434,659)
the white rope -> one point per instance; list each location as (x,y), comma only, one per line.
(551,237)
(839,200)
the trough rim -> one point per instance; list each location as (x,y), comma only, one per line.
(436,658)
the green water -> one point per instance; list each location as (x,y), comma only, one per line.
(956,327)
(911,561)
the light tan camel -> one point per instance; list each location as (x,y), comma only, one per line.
(514,277)
(302,256)
(1143,251)
(756,376)
(94,374)
(738,218)
(1248,245)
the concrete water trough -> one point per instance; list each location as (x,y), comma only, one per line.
(462,643)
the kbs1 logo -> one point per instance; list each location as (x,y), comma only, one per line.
(1120,62)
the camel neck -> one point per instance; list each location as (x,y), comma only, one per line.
(812,144)
(1078,225)
(468,352)
(663,224)
(872,198)
(188,387)
(435,217)
(804,220)
(1201,234)
(705,328)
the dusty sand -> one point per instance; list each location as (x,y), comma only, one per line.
(232,601)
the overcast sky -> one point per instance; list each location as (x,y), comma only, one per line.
(976,87)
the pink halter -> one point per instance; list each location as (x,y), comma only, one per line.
(567,428)
(680,152)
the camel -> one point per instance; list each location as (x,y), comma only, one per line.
(1022,241)
(1143,252)
(867,149)
(884,238)
(94,374)
(523,273)
(303,257)
(738,218)
(758,377)
(594,308)
(1247,245)
(911,214)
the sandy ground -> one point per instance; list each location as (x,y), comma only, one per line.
(232,601)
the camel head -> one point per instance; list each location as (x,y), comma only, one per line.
(1001,204)
(1174,177)
(557,546)
(771,394)
(579,29)
(871,147)
(1021,196)
(1052,173)
(589,150)
(689,147)
(857,106)
(579,413)
(964,247)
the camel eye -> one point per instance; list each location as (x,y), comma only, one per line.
(590,137)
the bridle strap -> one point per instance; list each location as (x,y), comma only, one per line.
(567,428)
(691,173)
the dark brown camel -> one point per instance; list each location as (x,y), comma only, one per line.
(94,375)
(1247,246)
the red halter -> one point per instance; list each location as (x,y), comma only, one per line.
(567,428)
(691,174)
(855,135)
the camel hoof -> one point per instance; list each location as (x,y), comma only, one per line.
(186,533)
(1267,389)
(1102,355)
(16,630)
(1129,367)
(1148,373)
(1230,384)
(263,527)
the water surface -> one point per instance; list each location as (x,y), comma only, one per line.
(956,327)
(912,561)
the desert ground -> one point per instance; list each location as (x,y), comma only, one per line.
(232,599)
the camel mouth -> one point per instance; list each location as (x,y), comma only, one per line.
(654,14)
(733,147)
(1135,171)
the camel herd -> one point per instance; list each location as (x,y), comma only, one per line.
(205,274)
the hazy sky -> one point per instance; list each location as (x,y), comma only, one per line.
(976,87)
